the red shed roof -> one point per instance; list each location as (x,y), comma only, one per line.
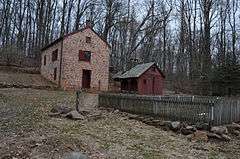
(136,71)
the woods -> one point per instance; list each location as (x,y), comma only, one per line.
(195,43)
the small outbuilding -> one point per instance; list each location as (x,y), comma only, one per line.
(144,79)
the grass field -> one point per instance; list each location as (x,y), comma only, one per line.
(26,131)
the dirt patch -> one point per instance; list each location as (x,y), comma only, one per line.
(28,132)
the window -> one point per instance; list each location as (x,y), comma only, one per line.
(55,74)
(44,60)
(55,55)
(84,56)
(88,39)
(154,69)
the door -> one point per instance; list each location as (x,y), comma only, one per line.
(86,78)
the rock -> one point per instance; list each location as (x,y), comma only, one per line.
(85,112)
(226,137)
(219,130)
(202,126)
(237,126)
(192,128)
(140,118)
(175,126)
(233,127)
(155,122)
(165,123)
(61,109)
(214,136)
(75,155)
(150,121)
(74,115)
(189,137)
(235,132)
(188,130)
(185,131)
(54,114)
(200,136)
(147,121)
(116,111)
(132,116)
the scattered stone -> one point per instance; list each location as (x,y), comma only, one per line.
(226,137)
(192,128)
(189,137)
(75,155)
(237,126)
(235,132)
(151,121)
(54,114)
(140,118)
(116,111)
(233,127)
(185,131)
(202,126)
(147,121)
(61,109)
(154,122)
(219,130)
(199,136)
(175,126)
(214,136)
(166,123)
(95,117)
(74,115)
(84,112)
(132,116)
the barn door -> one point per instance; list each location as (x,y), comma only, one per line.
(86,78)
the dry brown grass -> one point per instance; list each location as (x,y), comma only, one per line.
(11,76)
(26,130)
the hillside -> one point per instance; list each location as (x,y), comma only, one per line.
(22,78)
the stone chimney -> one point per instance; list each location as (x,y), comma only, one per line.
(88,24)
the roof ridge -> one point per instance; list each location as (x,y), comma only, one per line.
(72,33)
(136,71)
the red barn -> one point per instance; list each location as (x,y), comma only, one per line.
(144,79)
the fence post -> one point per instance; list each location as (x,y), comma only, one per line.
(77,100)
(211,121)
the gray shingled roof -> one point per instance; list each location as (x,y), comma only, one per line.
(135,71)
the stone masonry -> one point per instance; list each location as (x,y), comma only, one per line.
(72,67)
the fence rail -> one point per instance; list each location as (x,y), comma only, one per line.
(216,111)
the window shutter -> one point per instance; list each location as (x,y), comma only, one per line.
(81,55)
(84,56)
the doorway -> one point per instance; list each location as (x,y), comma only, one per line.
(86,78)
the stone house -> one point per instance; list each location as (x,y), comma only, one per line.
(77,60)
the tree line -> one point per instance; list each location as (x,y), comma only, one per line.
(190,40)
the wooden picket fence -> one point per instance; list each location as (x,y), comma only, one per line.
(191,109)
